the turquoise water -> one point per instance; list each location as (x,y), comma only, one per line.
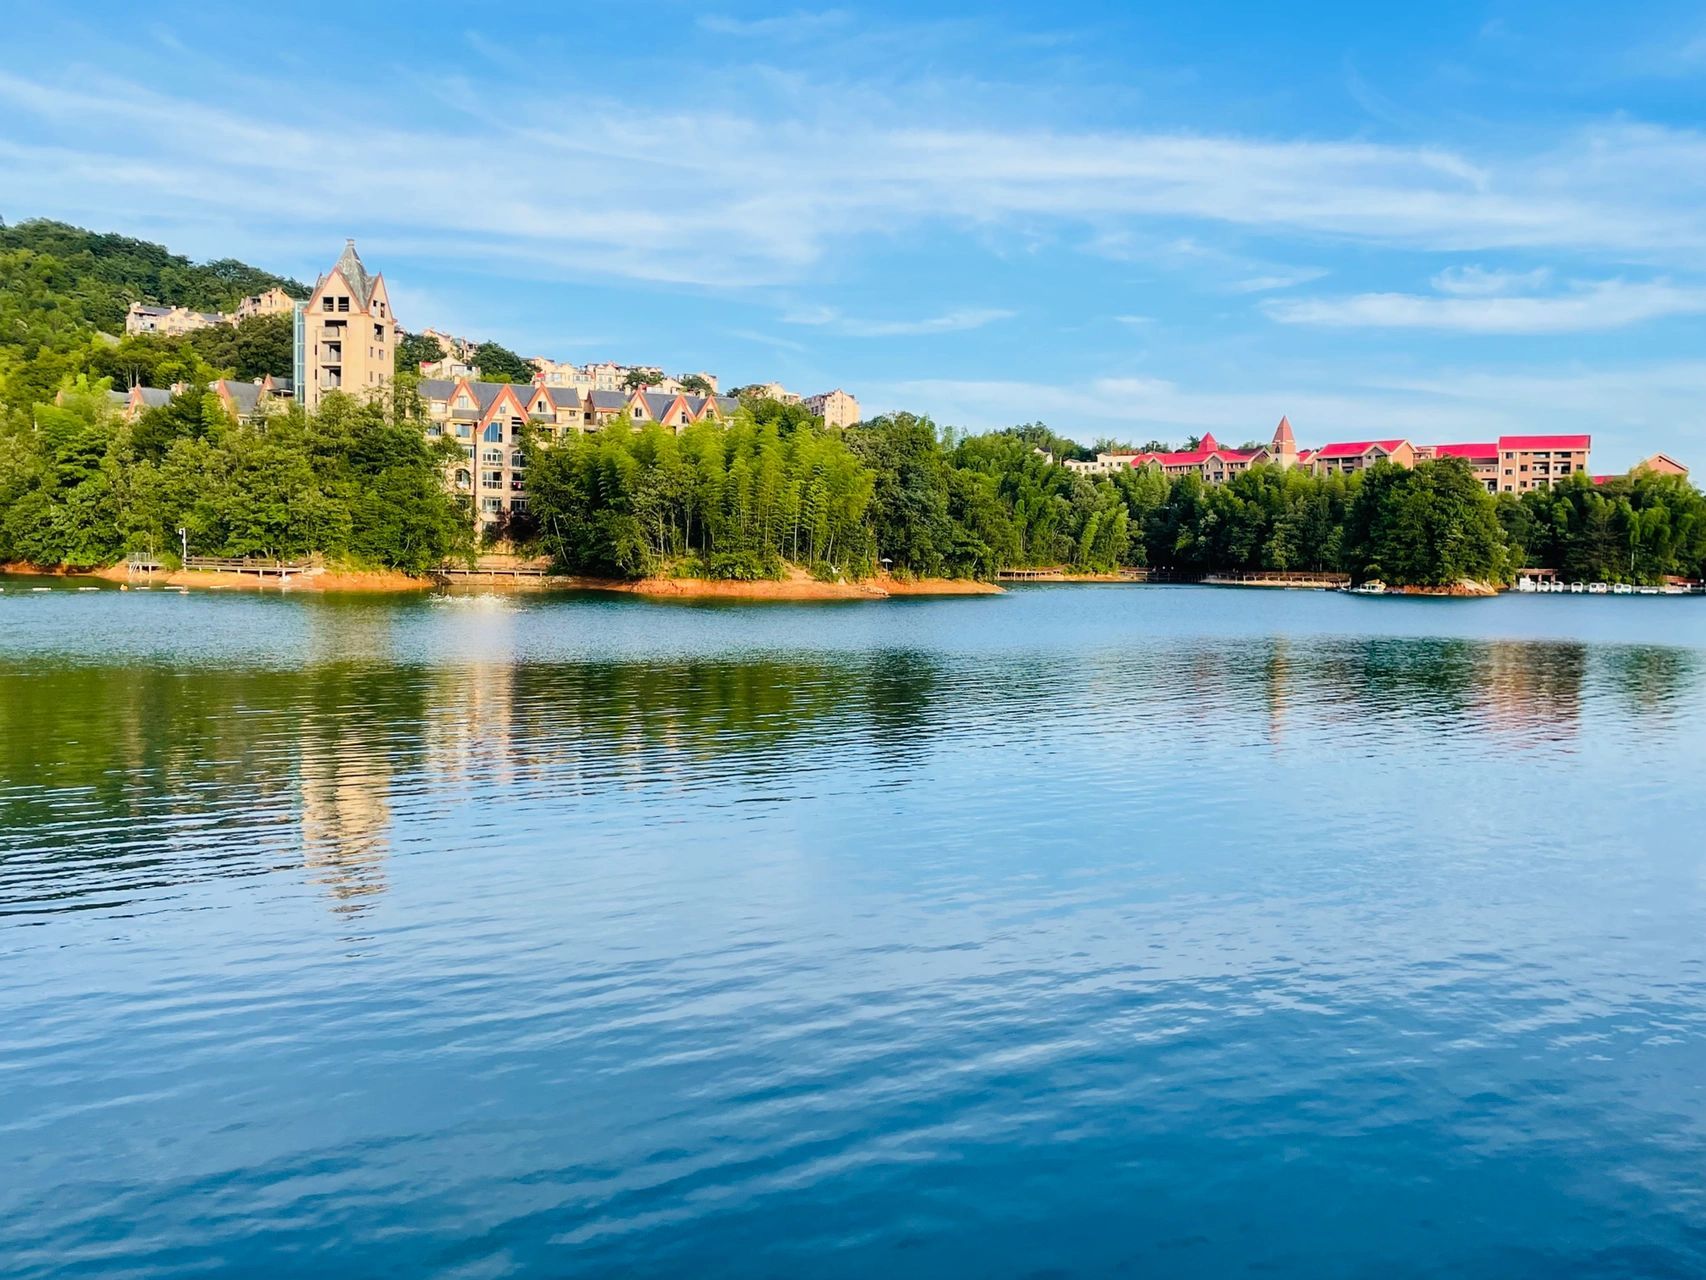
(1075,932)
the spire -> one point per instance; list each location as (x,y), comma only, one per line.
(349,266)
(1284,441)
(1209,442)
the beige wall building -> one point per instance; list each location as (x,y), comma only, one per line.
(836,408)
(346,334)
(170,321)
(274,302)
(143,317)
(486,420)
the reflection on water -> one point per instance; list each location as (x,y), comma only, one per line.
(1063,933)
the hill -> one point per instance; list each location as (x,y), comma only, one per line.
(64,292)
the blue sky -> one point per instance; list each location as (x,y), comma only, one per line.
(1440,221)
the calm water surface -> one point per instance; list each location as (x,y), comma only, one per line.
(1123,931)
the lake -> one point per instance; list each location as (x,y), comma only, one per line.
(1080,931)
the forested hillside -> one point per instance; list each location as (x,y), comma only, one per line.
(63,296)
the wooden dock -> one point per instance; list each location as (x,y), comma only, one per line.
(283,570)
(1275,578)
(490,570)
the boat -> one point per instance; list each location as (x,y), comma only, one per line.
(1646,591)
(1621,589)
(1597,588)
(1373,587)
(1576,588)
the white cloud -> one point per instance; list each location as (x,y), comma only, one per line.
(1607,304)
(765,192)
(948,322)
(1481,282)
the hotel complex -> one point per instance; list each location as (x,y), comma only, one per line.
(1510,464)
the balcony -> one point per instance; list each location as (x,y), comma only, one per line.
(331,333)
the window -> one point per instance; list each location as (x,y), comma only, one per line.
(326,303)
(494,456)
(492,505)
(495,433)
(463,432)
(464,401)
(492,479)
(343,304)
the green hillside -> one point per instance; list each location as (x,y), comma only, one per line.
(63,296)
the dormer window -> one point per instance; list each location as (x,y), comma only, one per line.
(343,304)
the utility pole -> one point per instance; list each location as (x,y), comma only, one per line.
(184,537)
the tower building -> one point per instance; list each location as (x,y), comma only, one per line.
(346,336)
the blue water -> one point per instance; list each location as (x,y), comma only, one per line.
(1075,932)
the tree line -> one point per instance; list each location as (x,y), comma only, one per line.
(81,486)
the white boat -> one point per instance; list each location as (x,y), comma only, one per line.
(1576,588)
(1646,591)
(1373,587)
(1621,589)
(1597,588)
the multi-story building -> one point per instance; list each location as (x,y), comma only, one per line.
(274,302)
(1661,464)
(345,333)
(1516,464)
(173,322)
(1214,463)
(170,321)
(486,419)
(1483,459)
(1538,462)
(450,345)
(1103,463)
(837,408)
(769,391)
(1350,456)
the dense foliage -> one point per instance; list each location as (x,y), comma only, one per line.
(1637,528)
(725,502)
(63,296)
(497,363)
(80,486)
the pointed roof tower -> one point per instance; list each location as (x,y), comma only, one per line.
(1284,441)
(1209,443)
(349,266)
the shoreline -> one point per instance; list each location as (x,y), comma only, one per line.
(798,586)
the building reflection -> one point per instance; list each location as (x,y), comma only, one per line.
(1531,692)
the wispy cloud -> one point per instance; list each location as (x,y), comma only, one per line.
(1484,282)
(1608,304)
(957,321)
(771,195)
(802,24)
